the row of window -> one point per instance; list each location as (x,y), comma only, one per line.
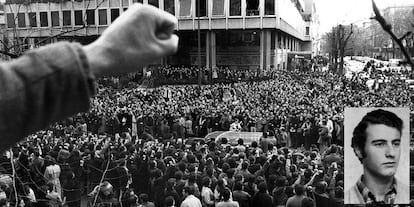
(218,9)
(62,19)
(252,7)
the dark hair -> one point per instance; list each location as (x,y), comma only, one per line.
(378,116)
(169,201)
(238,185)
(189,190)
(245,165)
(206,181)
(299,189)
(307,202)
(226,194)
(143,197)
(262,187)
(339,192)
(178,175)
(281,181)
(240,141)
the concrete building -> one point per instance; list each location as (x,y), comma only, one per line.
(246,34)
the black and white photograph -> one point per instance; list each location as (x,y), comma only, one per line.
(377,155)
(206,103)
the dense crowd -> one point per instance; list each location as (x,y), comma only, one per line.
(167,74)
(132,148)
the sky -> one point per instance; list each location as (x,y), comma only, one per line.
(333,12)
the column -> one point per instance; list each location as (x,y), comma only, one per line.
(213,48)
(268,38)
(275,58)
(262,49)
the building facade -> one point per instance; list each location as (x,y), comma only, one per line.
(248,34)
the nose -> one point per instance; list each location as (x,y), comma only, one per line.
(390,151)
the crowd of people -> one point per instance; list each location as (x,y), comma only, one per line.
(131,149)
(184,75)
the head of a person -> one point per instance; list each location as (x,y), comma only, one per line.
(169,201)
(339,192)
(188,190)
(206,182)
(321,187)
(376,142)
(307,202)
(143,197)
(262,187)
(238,186)
(226,194)
(299,189)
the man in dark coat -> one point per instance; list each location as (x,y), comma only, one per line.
(262,198)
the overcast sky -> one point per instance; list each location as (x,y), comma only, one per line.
(333,12)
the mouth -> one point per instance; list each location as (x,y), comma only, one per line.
(389,164)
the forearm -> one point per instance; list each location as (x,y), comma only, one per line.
(41,87)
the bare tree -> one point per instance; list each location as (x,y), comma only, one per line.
(336,41)
(342,38)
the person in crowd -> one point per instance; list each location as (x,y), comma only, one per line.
(207,195)
(262,197)
(296,200)
(144,201)
(190,200)
(241,196)
(226,200)
(169,201)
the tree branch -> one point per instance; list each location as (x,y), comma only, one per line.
(387,27)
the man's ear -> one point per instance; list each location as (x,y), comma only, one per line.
(358,153)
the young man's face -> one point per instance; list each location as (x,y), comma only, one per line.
(382,148)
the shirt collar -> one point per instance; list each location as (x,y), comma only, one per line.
(369,197)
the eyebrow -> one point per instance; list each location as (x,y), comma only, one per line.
(383,140)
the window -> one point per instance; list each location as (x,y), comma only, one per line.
(43,19)
(185,8)
(78,17)
(137,1)
(114,3)
(169,6)
(10,21)
(125,3)
(102,17)
(252,8)
(218,7)
(270,7)
(114,14)
(55,19)
(153,2)
(203,8)
(307,31)
(21,20)
(32,19)
(235,7)
(67,18)
(90,17)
